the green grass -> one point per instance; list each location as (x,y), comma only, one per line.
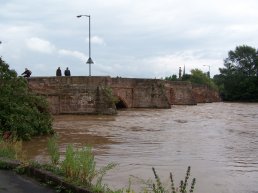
(79,167)
(10,148)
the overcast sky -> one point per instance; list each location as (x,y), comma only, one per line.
(129,38)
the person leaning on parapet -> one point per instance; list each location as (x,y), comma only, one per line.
(26,73)
(67,72)
(58,72)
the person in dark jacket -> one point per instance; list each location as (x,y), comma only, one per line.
(58,72)
(26,73)
(67,72)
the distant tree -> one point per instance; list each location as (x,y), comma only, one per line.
(22,113)
(238,81)
(243,60)
(186,77)
(199,77)
(172,78)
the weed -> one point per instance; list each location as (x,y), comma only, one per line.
(11,149)
(69,165)
(81,165)
(52,147)
(157,186)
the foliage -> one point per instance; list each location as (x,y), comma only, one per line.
(52,147)
(10,148)
(21,112)
(81,165)
(172,78)
(197,77)
(107,91)
(78,166)
(156,186)
(238,81)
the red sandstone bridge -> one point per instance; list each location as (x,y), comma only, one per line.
(93,95)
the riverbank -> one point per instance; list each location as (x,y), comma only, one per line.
(32,179)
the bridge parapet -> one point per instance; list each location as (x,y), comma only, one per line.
(93,95)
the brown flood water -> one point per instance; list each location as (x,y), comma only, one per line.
(218,140)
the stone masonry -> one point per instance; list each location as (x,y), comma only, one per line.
(98,95)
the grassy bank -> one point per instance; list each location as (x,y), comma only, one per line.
(77,171)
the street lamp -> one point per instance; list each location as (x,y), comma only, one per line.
(209,73)
(89,61)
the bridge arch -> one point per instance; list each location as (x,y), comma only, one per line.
(121,104)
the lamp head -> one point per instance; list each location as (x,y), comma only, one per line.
(79,16)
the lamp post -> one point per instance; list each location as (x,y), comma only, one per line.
(209,76)
(89,61)
(209,73)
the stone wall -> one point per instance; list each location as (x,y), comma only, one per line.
(205,94)
(75,95)
(96,95)
(140,93)
(180,93)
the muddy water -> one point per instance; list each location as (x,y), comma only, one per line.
(218,140)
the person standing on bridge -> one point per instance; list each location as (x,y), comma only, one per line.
(67,72)
(58,72)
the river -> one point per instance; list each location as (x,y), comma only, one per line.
(218,140)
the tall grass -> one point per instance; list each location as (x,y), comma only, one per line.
(156,186)
(11,149)
(79,165)
(53,150)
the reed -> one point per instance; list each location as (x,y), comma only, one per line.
(156,186)
(53,150)
(11,149)
(79,165)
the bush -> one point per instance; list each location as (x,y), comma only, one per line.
(21,112)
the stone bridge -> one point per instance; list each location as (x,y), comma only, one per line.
(104,95)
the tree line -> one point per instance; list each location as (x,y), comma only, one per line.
(238,79)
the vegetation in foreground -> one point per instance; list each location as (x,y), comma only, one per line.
(79,167)
(22,113)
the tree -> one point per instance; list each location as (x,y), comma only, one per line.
(199,77)
(243,60)
(238,81)
(22,113)
(172,78)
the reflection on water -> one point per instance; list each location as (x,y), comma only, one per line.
(218,140)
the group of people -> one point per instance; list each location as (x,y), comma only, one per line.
(66,72)
(27,72)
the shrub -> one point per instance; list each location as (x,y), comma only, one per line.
(21,112)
